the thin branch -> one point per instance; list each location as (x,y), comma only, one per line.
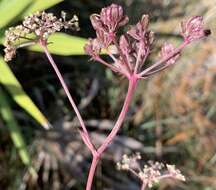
(118,124)
(85,135)
(176,52)
(99,59)
(25,44)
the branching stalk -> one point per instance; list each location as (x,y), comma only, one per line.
(84,132)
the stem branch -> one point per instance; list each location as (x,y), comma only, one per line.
(176,52)
(117,126)
(84,132)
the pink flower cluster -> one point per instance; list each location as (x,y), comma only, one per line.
(130,50)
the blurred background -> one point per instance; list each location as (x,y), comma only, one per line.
(172,117)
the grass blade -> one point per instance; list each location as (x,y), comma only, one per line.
(11,9)
(10,82)
(15,132)
(39,5)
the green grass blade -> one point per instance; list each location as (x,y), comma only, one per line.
(63,44)
(11,9)
(10,82)
(15,132)
(39,5)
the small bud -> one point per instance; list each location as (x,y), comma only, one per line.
(144,22)
(92,48)
(140,31)
(10,52)
(167,50)
(63,15)
(124,45)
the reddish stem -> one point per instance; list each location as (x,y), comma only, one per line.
(92,172)
(132,85)
(176,52)
(84,133)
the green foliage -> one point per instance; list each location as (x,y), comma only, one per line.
(39,5)
(14,130)
(9,10)
(10,82)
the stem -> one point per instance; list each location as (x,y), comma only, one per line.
(110,137)
(25,44)
(176,52)
(84,133)
(99,59)
(132,85)
(157,70)
(143,186)
(92,172)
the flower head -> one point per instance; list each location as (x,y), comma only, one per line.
(113,17)
(109,19)
(150,173)
(40,25)
(108,22)
(193,29)
(133,47)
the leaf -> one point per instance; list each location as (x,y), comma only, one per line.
(39,5)
(63,44)
(15,132)
(11,9)
(10,82)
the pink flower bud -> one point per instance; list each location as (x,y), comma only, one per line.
(140,31)
(166,51)
(193,29)
(113,17)
(124,45)
(92,48)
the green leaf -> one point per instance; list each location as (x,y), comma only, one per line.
(15,132)
(10,82)
(63,44)
(11,9)
(39,5)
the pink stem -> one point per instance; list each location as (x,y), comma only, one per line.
(143,186)
(176,52)
(84,133)
(92,172)
(117,126)
(110,137)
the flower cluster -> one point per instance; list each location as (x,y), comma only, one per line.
(150,173)
(41,25)
(130,50)
(193,29)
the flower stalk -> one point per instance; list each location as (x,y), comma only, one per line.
(131,51)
